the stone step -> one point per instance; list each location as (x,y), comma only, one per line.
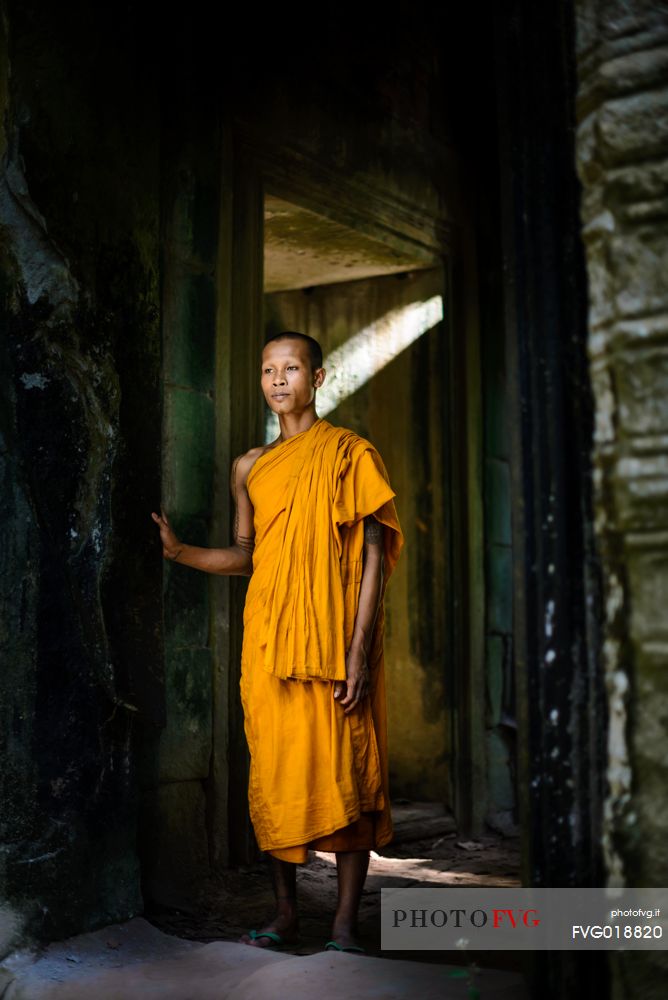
(107,965)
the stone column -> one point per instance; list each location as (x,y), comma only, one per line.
(622,161)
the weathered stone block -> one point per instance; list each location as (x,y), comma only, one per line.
(648,579)
(185,742)
(634,70)
(500,791)
(601,283)
(497,501)
(638,261)
(173,841)
(186,592)
(205,212)
(637,182)
(500,604)
(652,656)
(645,821)
(496,425)
(634,127)
(641,378)
(194,219)
(494,675)
(651,722)
(190,346)
(188,451)
(641,492)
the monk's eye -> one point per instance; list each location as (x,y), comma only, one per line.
(293,368)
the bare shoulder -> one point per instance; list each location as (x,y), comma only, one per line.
(242,465)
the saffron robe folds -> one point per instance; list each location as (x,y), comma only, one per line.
(314,769)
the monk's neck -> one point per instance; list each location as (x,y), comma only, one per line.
(295,423)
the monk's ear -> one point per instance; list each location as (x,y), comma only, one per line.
(319,377)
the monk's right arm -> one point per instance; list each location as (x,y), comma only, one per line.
(234,560)
(231,561)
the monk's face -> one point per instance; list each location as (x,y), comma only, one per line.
(288,381)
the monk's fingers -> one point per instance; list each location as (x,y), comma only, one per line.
(360,694)
(357,690)
(346,692)
(349,687)
(352,706)
(338,688)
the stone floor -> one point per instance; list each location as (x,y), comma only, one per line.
(174,954)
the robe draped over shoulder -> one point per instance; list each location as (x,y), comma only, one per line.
(314,769)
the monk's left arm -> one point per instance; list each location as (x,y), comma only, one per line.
(357,684)
(371,585)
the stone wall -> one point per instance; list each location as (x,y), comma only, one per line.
(80,459)
(622,160)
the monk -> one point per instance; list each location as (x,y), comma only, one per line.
(316,530)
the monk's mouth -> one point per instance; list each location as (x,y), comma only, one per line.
(280,395)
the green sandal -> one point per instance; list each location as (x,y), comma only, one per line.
(272,935)
(333,946)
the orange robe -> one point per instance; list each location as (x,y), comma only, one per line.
(318,777)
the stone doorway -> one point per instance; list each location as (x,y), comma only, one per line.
(379,308)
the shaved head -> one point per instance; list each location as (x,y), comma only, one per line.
(314,348)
